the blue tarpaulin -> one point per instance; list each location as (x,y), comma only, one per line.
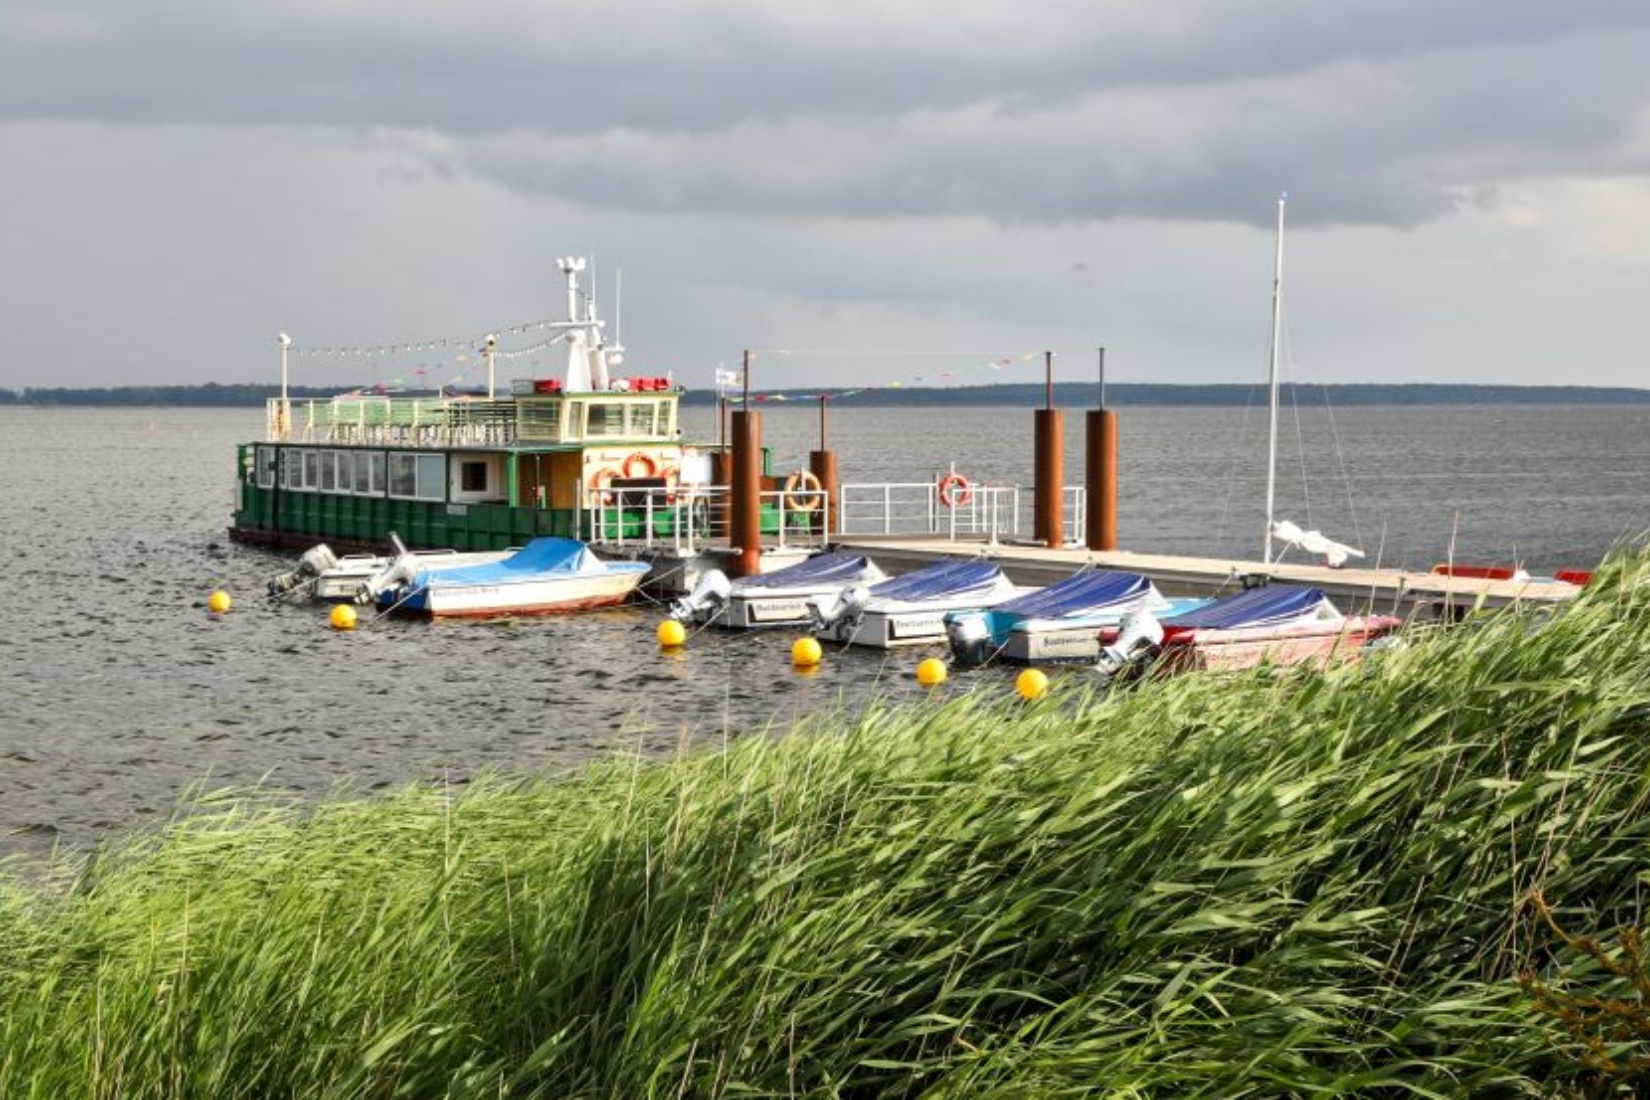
(835,567)
(945,578)
(1267,606)
(1082,594)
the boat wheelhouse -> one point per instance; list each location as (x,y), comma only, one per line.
(590,455)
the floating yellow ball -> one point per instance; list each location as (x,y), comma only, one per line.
(219,602)
(672,633)
(805,653)
(1032,683)
(342,617)
(931,671)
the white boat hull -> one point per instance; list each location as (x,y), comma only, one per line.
(525,597)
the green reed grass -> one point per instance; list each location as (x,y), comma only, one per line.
(1265,884)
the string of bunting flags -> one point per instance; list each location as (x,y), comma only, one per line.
(727,380)
(448,371)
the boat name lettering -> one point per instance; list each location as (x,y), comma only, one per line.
(909,626)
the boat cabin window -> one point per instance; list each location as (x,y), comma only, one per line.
(604,419)
(418,476)
(329,471)
(265,466)
(312,469)
(472,477)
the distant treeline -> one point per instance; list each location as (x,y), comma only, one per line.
(211,394)
(1087,395)
(1066,394)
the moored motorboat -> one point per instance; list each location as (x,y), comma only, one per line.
(910,609)
(1275,624)
(1062,622)
(322,575)
(547,576)
(777,598)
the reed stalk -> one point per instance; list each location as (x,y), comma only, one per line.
(1248,885)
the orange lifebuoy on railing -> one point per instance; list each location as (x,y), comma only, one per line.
(601,484)
(955,491)
(672,477)
(803,492)
(640,465)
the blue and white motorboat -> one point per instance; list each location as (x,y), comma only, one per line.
(779,598)
(547,576)
(910,609)
(1063,622)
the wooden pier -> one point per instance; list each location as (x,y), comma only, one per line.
(1410,594)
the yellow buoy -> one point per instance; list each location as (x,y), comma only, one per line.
(219,601)
(805,653)
(342,617)
(672,633)
(1032,683)
(931,671)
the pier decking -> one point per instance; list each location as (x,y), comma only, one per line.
(1411,594)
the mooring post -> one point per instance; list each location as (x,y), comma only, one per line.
(822,463)
(1048,494)
(746,533)
(1100,472)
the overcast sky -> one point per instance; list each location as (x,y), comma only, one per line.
(829,182)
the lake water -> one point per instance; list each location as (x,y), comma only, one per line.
(120,694)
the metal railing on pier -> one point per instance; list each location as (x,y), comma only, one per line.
(684,520)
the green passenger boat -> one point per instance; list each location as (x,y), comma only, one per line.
(590,455)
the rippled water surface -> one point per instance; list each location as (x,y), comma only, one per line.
(119,693)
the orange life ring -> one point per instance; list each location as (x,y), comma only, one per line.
(672,477)
(640,465)
(803,492)
(955,491)
(600,483)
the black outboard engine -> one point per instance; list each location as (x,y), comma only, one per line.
(311,564)
(970,638)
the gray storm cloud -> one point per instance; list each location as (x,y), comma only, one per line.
(1394,113)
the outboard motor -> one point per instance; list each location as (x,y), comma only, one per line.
(707,599)
(839,614)
(311,564)
(397,573)
(1138,635)
(969,637)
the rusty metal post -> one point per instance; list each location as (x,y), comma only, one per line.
(746,532)
(1048,522)
(1100,513)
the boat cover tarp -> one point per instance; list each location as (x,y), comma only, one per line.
(542,556)
(835,567)
(1268,606)
(1082,594)
(938,581)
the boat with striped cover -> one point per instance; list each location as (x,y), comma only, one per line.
(910,609)
(1062,622)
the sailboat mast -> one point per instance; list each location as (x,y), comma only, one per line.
(1272,384)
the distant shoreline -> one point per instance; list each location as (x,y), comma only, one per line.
(1066,395)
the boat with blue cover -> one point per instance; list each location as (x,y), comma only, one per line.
(777,598)
(547,576)
(910,609)
(1063,622)
(1278,624)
